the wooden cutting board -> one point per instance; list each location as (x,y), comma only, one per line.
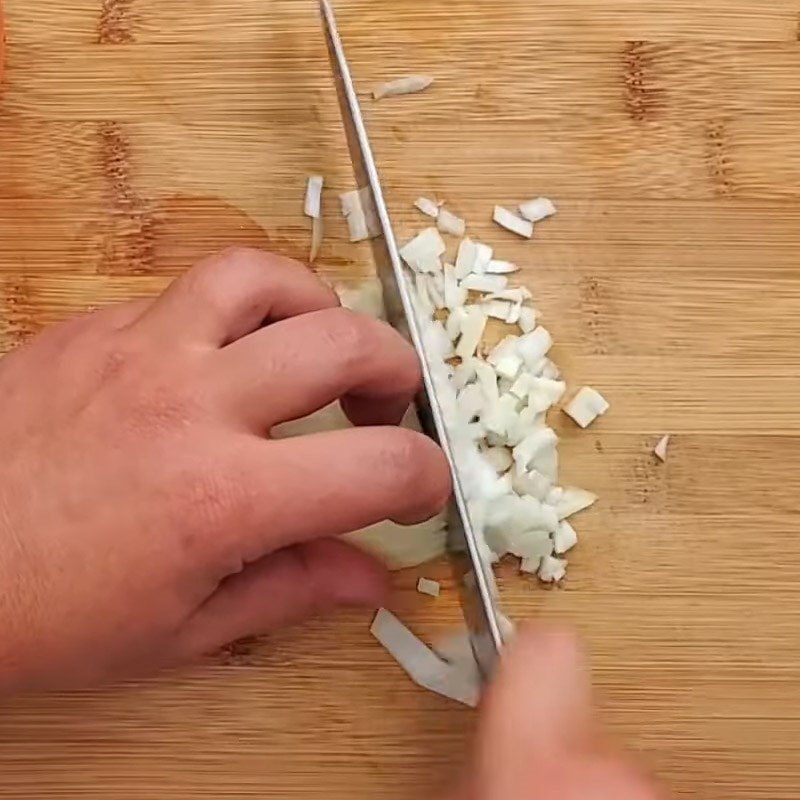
(137,135)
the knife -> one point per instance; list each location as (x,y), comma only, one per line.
(475,579)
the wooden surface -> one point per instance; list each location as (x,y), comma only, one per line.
(136,135)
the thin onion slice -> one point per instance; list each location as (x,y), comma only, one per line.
(313,201)
(660,449)
(511,222)
(407,85)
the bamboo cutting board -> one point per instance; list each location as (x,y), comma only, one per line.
(137,135)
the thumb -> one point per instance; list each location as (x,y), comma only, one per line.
(538,709)
(282,589)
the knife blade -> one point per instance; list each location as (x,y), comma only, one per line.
(476,582)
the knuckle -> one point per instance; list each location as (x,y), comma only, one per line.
(350,335)
(206,499)
(419,467)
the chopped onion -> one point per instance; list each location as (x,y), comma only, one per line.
(538,209)
(533,445)
(587,405)
(313,202)
(423,253)
(407,85)
(565,538)
(574,500)
(552,570)
(499,457)
(534,346)
(485,283)
(511,222)
(421,664)
(429,587)
(483,256)
(358,209)
(428,207)
(661,448)
(527,319)
(447,222)
(466,258)
(471,332)
(495,267)
(497,309)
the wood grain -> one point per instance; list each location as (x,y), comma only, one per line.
(137,135)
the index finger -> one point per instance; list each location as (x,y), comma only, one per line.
(233,293)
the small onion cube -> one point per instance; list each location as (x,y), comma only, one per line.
(587,405)
(538,209)
(552,570)
(429,587)
(428,207)
(565,538)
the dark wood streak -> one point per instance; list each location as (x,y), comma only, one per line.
(115,25)
(129,243)
(642,95)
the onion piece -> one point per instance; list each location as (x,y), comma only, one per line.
(565,538)
(423,253)
(552,570)
(359,210)
(421,664)
(574,500)
(471,332)
(497,309)
(533,445)
(495,267)
(483,256)
(519,294)
(406,85)
(447,222)
(511,222)
(485,283)
(428,207)
(527,319)
(587,405)
(429,587)
(499,457)
(466,257)
(534,346)
(538,209)
(660,449)
(313,201)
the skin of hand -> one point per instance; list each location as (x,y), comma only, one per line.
(538,739)
(145,515)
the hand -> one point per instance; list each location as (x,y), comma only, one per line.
(145,516)
(538,739)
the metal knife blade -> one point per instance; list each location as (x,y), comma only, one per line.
(475,579)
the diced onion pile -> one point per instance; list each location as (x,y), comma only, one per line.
(495,401)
